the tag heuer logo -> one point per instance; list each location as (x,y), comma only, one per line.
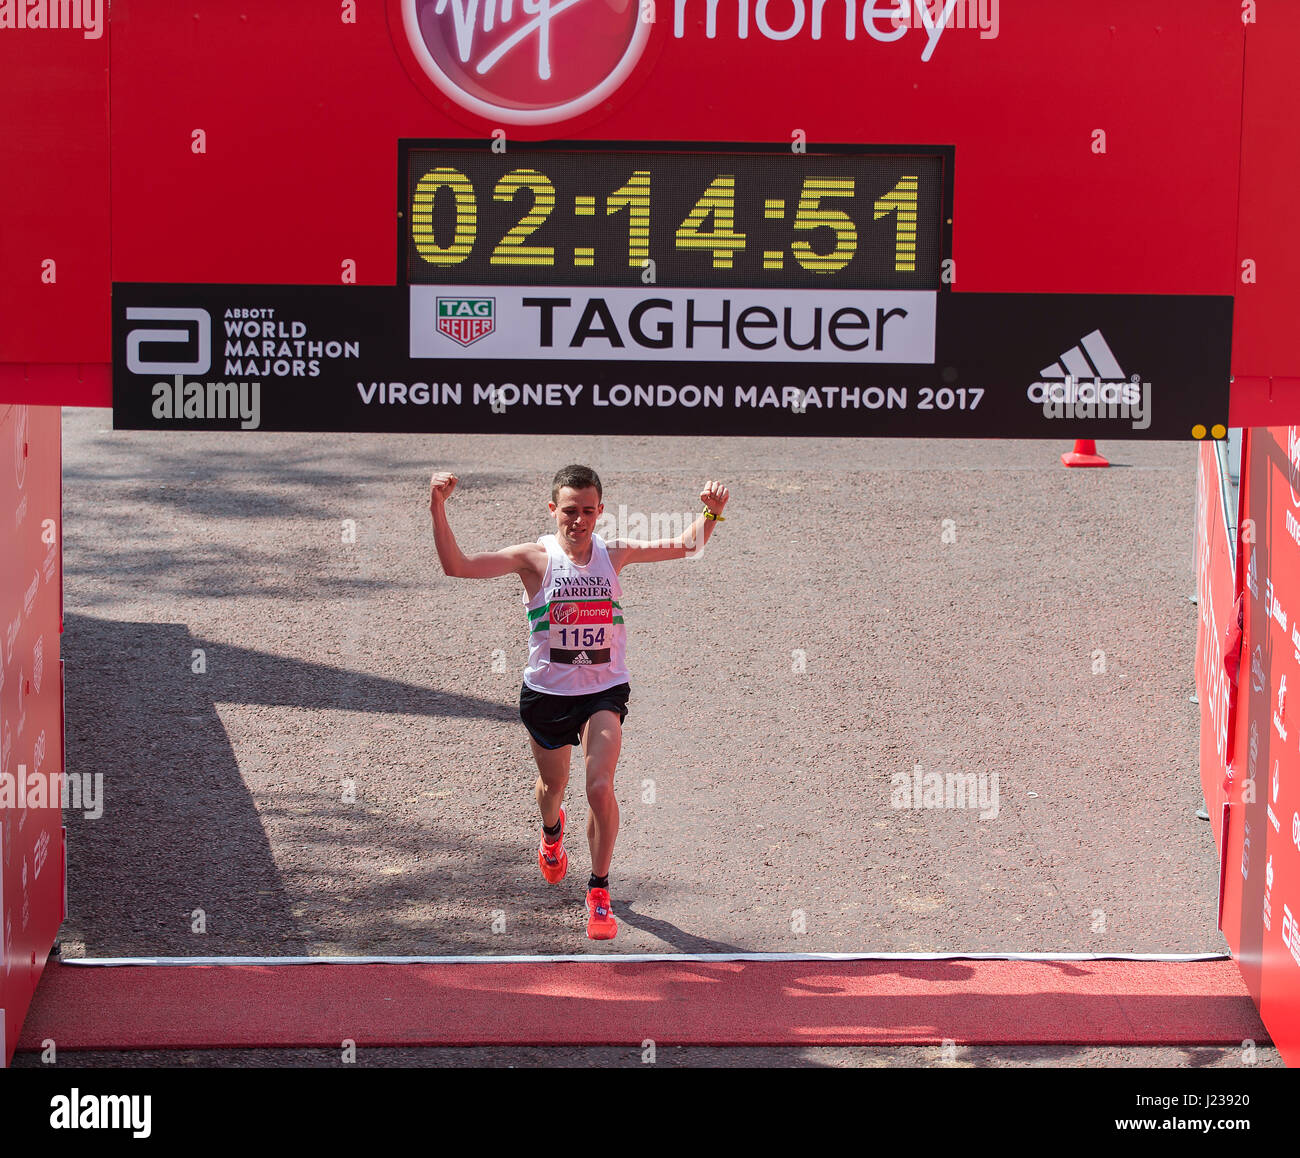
(466,320)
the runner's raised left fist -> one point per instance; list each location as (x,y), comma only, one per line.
(714,496)
(441,486)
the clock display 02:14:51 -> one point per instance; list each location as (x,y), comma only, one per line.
(825,235)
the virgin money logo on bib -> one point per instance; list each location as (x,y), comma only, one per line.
(564,613)
(526,61)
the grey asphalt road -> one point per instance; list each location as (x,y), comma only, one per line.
(633,1056)
(311,745)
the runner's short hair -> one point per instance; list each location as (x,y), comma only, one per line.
(577,477)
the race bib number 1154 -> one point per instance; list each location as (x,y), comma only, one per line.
(581,630)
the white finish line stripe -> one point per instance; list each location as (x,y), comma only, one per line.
(642,958)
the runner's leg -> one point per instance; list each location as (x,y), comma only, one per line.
(552,778)
(602,739)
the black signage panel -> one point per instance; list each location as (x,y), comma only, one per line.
(656,360)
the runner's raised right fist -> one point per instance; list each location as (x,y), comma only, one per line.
(441,486)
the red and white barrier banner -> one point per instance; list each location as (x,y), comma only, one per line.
(31,705)
(1261,786)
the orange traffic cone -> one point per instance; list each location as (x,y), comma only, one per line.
(1084,454)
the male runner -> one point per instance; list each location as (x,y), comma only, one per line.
(576,682)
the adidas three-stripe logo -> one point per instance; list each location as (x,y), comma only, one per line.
(1092,358)
(1088,382)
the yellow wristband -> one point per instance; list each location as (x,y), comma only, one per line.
(708,514)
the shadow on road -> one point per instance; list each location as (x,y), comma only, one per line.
(181,841)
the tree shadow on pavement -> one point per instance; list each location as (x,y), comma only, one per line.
(181,843)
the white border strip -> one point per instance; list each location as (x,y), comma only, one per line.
(1231,510)
(642,958)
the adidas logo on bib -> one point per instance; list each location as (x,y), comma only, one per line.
(582,657)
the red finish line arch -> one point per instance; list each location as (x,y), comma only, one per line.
(1072,222)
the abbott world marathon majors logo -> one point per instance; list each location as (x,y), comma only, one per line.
(177,341)
(527,61)
(254,343)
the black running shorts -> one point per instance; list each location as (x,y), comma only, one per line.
(554,721)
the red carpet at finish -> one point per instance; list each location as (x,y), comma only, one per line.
(472,1002)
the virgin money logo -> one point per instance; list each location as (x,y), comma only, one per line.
(564,613)
(526,61)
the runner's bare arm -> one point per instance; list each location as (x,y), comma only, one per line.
(516,560)
(624,551)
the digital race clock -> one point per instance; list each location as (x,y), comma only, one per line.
(674,215)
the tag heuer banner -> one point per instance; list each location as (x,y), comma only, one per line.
(650,360)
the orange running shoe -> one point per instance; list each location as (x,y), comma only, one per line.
(601,925)
(552,858)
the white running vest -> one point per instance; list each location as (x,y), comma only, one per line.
(576,641)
